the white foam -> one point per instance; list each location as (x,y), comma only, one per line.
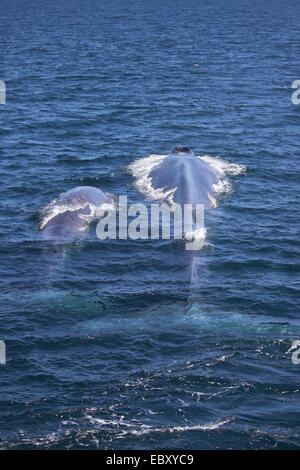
(141,169)
(146,429)
(53,209)
(223,166)
(195,235)
(224,169)
(171,429)
(118,425)
(195,239)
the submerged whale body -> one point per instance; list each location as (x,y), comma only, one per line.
(70,214)
(191,178)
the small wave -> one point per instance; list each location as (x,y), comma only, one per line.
(197,427)
(75,436)
(146,429)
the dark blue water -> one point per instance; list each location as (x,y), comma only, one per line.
(107,345)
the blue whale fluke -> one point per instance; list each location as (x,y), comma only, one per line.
(71,213)
(191,178)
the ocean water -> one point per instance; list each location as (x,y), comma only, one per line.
(109,345)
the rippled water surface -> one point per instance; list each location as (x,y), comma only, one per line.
(108,344)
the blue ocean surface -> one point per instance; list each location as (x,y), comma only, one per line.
(108,345)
